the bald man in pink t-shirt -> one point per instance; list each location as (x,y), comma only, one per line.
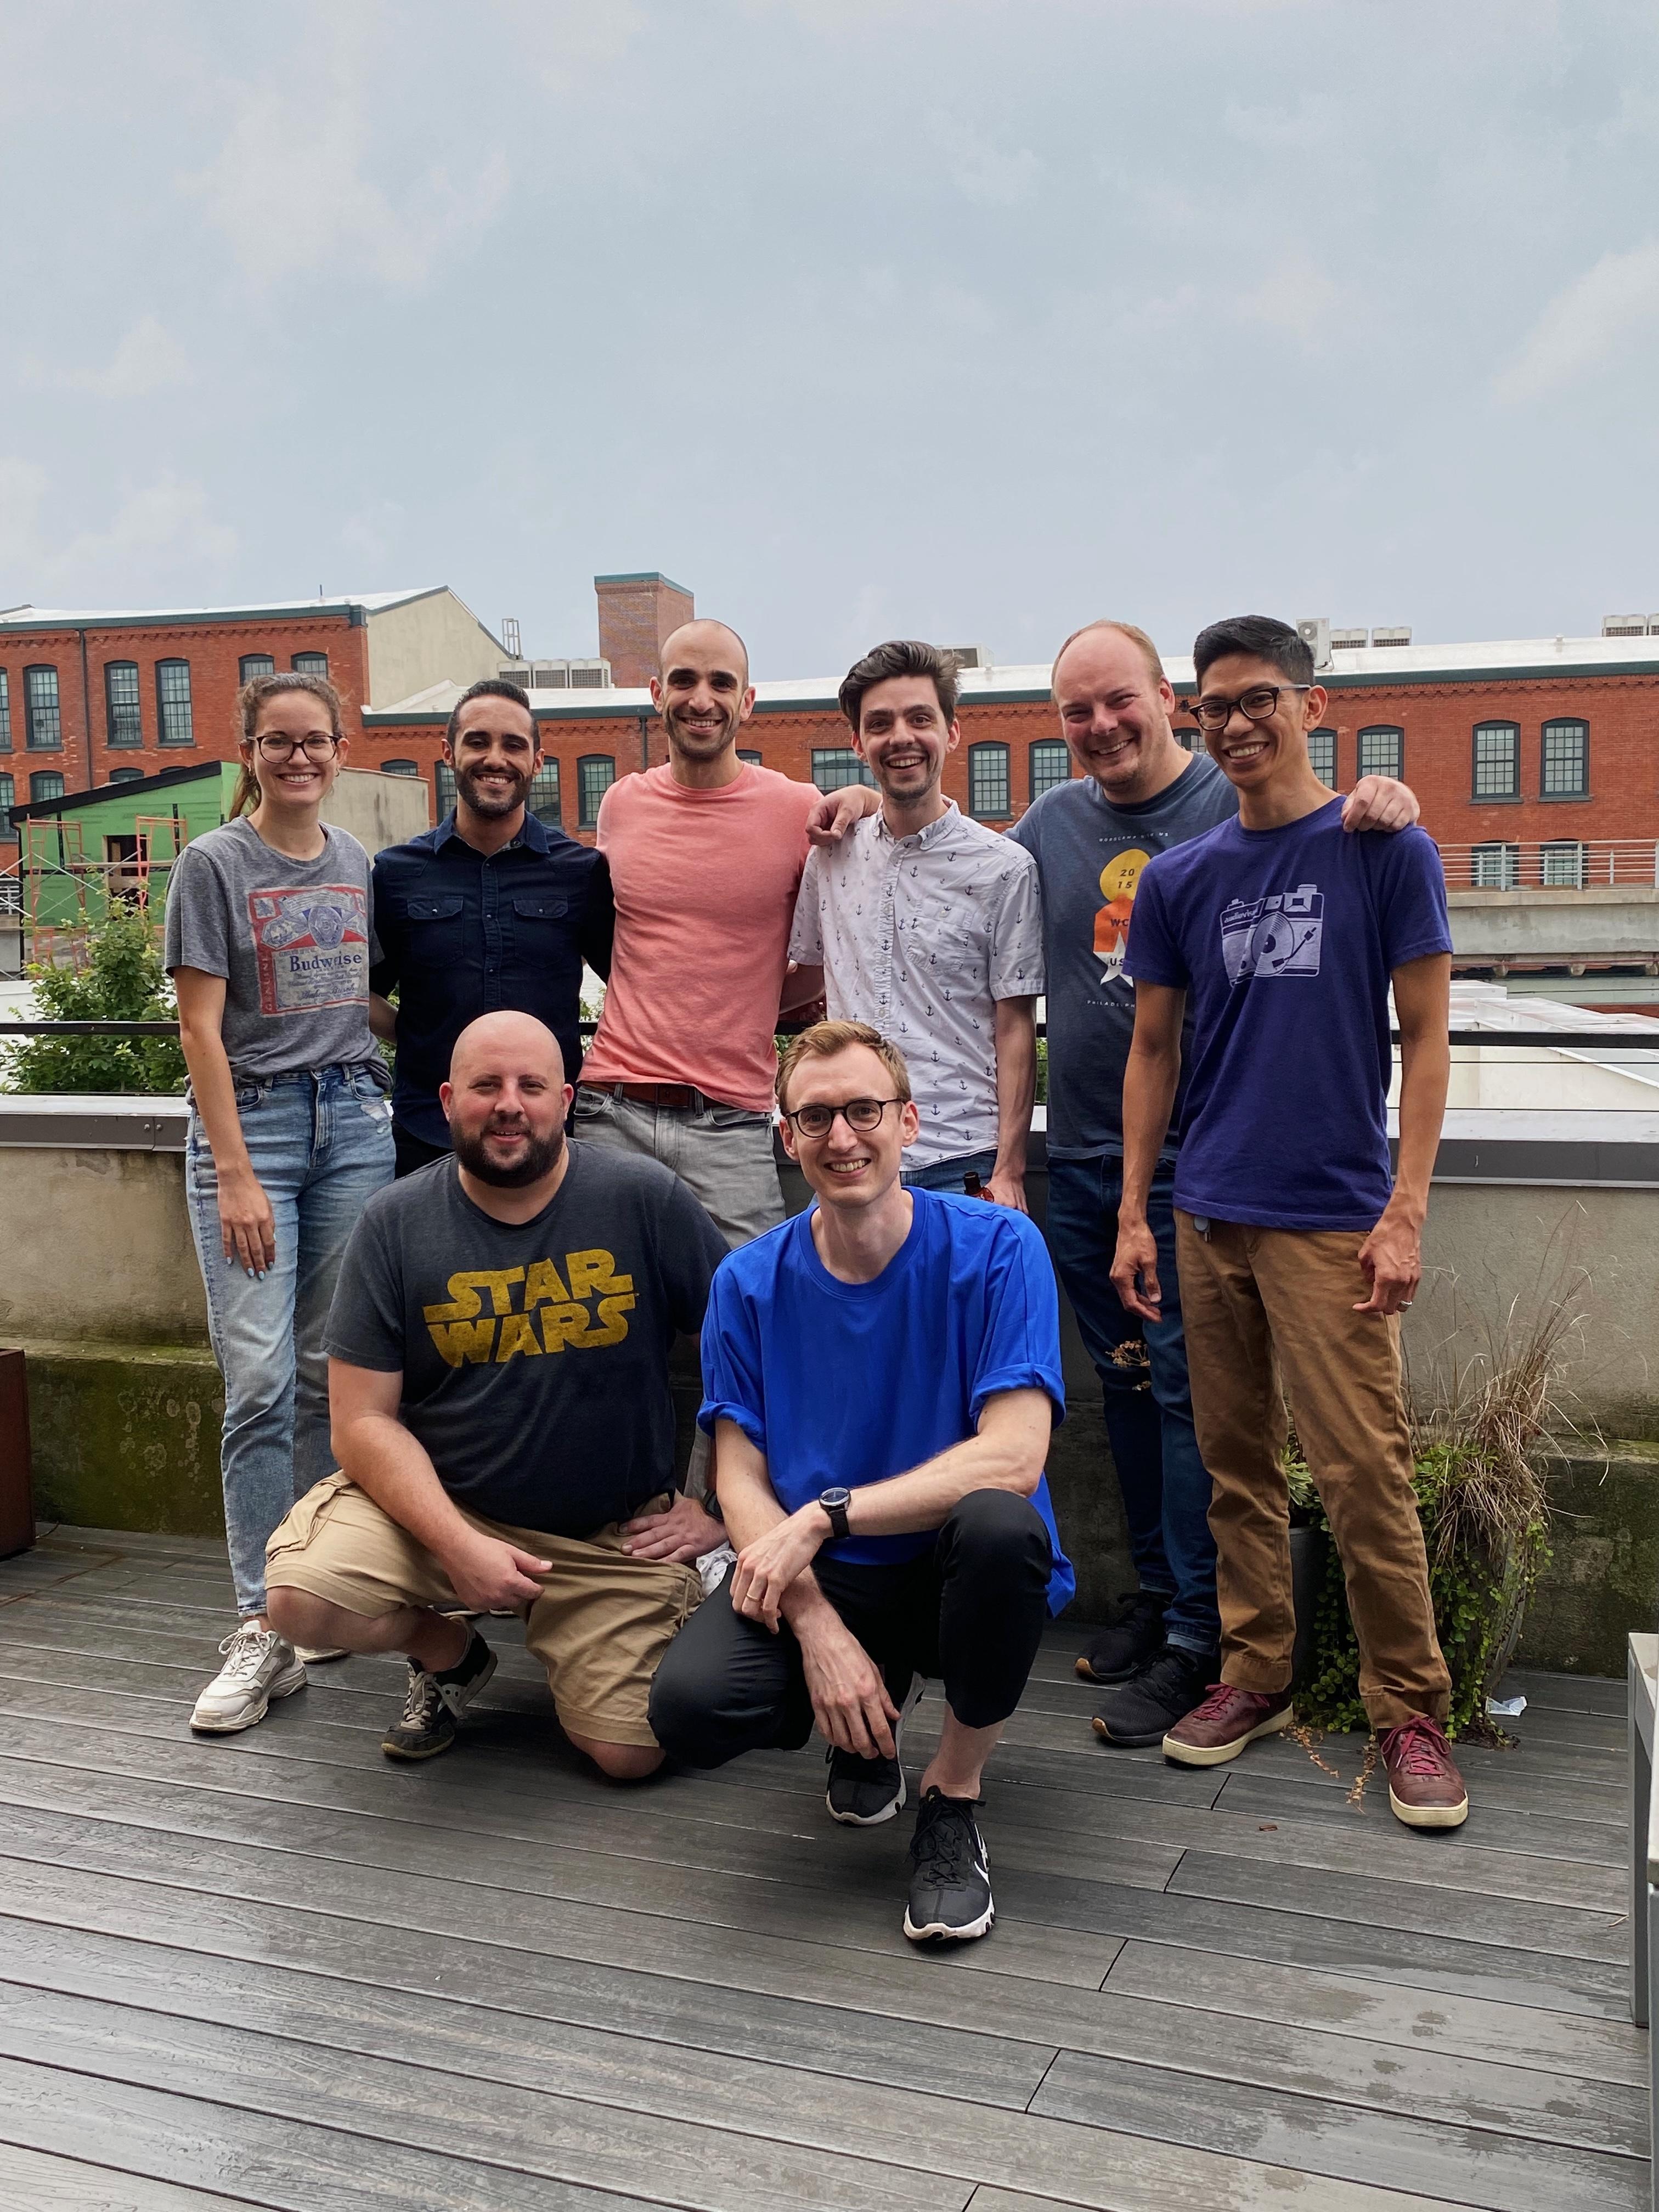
(706,855)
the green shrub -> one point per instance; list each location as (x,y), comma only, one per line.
(122,980)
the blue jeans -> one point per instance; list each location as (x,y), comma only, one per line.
(947,1174)
(1165,1482)
(320,1145)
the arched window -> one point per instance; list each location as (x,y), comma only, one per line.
(987,783)
(43,722)
(400,768)
(1050,764)
(753,758)
(255,663)
(445,790)
(172,702)
(126,775)
(595,774)
(7,799)
(542,799)
(1496,760)
(1495,867)
(5,712)
(45,784)
(125,723)
(1566,760)
(311,664)
(834,767)
(1561,865)
(1383,750)
(1191,738)
(1322,755)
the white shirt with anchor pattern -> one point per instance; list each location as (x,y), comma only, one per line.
(919,936)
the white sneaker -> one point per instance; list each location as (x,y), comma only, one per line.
(259,1665)
(318,1654)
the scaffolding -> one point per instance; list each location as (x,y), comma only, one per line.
(63,892)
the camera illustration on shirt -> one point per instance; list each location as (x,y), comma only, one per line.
(1275,936)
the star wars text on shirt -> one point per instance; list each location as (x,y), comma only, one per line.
(550,1311)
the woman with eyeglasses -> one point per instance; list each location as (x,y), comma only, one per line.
(268,942)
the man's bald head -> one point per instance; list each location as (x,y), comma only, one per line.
(504,1039)
(700,637)
(703,694)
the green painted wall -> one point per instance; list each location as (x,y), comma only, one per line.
(201,803)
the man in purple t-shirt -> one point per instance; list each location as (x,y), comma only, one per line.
(1296,1247)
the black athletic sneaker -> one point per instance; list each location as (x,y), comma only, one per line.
(1143,1710)
(1127,1641)
(950,1885)
(865,1792)
(433,1703)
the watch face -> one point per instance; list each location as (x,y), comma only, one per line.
(829,1499)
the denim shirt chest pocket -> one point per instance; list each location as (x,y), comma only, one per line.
(540,906)
(434,907)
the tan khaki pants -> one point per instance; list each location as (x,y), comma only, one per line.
(1260,1304)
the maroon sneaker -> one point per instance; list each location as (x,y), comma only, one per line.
(1220,1729)
(1424,1787)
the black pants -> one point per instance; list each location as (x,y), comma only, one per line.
(970,1610)
(413,1152)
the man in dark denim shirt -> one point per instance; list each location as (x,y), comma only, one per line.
(490,909)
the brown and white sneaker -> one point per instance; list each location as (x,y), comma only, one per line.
(1424,1787)
(1228,1719)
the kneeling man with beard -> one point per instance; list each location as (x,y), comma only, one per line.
(498,1375)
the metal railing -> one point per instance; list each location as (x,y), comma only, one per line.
(1573,864)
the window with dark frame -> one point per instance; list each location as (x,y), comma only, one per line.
(45,784)
(43,718)
(1566,759)
(543,797)
(1383,750)
(255,663)
(399,768)
(1322,755)
(1495,867)
(753,758)
(988,797)
(1496,760)
(5,712)
(834,767)
(126,775)
(595,774)
(8,800)
(1050,764)
(1561,865)
(173,706)
(126,722)
(311,664)
(445,791)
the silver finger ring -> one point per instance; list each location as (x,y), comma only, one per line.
(1404,1304)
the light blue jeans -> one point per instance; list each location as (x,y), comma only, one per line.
(320,1143)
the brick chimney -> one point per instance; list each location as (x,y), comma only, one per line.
(636,614)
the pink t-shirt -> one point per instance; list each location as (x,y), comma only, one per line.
(705,885)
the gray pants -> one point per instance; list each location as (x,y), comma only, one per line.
(720,1153)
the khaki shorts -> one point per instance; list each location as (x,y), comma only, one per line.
(601,1624)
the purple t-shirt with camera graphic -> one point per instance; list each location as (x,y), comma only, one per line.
(291,939)
(1283,941)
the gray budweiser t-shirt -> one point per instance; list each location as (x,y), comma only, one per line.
(291,939)
(534,1355)
(1089,854)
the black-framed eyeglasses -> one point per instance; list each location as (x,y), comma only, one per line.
(861,1114)
(1258,704)
(277,749)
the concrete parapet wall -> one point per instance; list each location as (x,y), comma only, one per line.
(98,1248)
(127,1437)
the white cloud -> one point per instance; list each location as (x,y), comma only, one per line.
(148,359)
(1297,298)
(1586,323)
(291,186)
(982,172)
(23,487)
(163,532)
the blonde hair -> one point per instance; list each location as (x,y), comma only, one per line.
(249,701)
(1137,637)
(825,1039)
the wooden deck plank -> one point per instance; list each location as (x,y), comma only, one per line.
(36,2181)
(1345,2142)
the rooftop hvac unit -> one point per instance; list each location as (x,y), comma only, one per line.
(1623,626)
(1392,634)
(1314,631)
(969,656)
(552,675)
(518,676)
(590,675)
(1653,625)
(1349,640)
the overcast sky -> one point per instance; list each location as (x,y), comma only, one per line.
(964,318)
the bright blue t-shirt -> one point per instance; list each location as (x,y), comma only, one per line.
(1283,940)
(850,1383)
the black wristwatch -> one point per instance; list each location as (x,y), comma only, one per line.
(834,1503)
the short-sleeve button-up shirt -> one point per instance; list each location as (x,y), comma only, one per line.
(919,936)
(462,933)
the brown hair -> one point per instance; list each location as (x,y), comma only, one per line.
(825,1039)
(1155,666)
(900,656)
(251,697)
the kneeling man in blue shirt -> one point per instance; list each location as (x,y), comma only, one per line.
(881,1374)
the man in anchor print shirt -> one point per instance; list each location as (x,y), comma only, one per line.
(929,927)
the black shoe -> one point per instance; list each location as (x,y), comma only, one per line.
(950,1886)
(1128,1639)
(865,1792)
(433,1703)
(1143,1710)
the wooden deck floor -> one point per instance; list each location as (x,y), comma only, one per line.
(276,1970)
